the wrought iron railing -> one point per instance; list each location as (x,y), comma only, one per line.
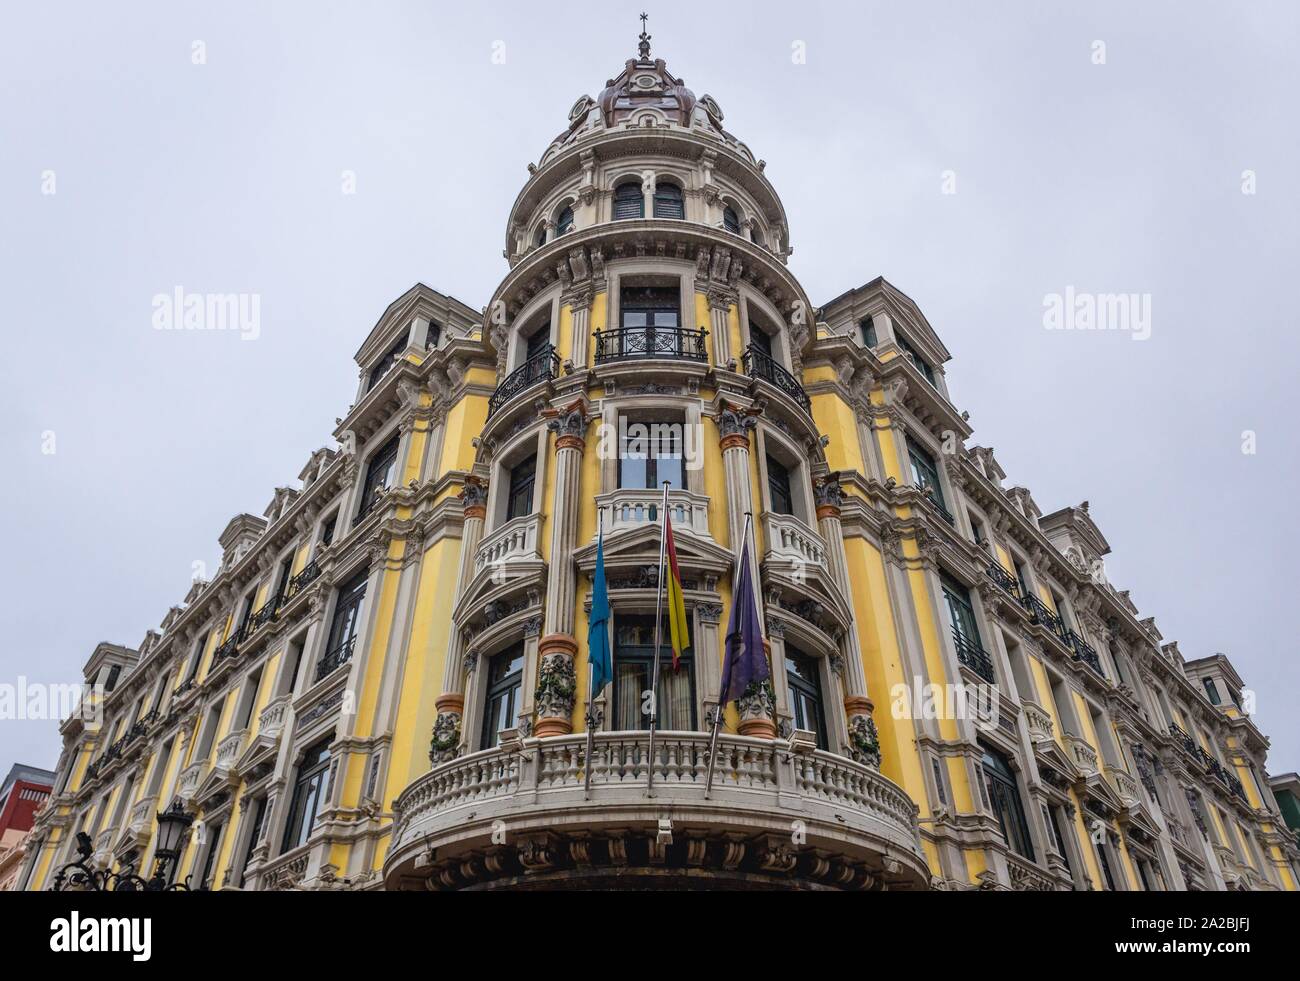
(1044,615)
(263,616)
(539,368)
(1083,651)
(759,364)
(335,658)
(1009,583)
(230,648)
(303,579)
(971,654)
(650,342)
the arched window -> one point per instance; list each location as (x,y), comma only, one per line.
(540,239)
(731,220)
(628,201)
(564,223)
(668,202)
(756,236)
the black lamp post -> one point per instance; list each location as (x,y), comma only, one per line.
(81,876)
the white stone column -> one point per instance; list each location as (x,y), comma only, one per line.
(556,690)
(864,741)
(448,739)
(734,427)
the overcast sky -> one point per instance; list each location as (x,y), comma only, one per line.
(228,176)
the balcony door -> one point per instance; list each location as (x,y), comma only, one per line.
(806,704)
(501,703)
(650,322)
(633,664)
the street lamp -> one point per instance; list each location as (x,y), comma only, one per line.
(173,824)
(82,876)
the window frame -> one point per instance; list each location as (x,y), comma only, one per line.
(311,777)
(510,685)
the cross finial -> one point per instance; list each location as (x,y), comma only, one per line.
(643,48)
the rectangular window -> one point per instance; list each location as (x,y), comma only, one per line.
(114,673)
(259,818)
(805,685)
(1212,690)
(199,648)
(539,342)
(327,529)
(344,625)
(778,487)
(869,332)
(650,453)
(1004,801)
(633,664)
(910,353)
(649,317)
(308,794)
(379,476)
(209,863)
(925,473)
(386,362)
(523,476)
(501,704)
(762,340)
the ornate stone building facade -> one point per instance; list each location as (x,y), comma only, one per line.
(385,683)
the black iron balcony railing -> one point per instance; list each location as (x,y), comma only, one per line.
(760,365)
(650,342)
(1083,651)
(263,616)
(1043,614)
(341,654)
(539,368)
(973,656)
(303,579)
(230,648)
(1009,583)
(1189,744)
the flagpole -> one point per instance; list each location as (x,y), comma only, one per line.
(717,712)
(654,676)
(591,685)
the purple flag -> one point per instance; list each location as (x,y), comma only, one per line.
(745,662)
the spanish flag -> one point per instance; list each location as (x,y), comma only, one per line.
(676,599)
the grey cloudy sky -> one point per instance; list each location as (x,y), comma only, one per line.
(226,177)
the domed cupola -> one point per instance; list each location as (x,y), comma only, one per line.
(645,93)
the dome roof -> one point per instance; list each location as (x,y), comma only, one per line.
(644,90)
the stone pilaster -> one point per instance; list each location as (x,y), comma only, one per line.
(578,300)
(721,299)
(450,704)
(863,742)
(555,691)
(734,426)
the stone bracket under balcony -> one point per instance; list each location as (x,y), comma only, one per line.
(773,820)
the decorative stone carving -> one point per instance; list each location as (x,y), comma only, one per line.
(734,425)
(556,686)
(829,496)
(709,612)
(758,709)
(446,738)
(864,740)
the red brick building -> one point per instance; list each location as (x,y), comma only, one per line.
(24,792)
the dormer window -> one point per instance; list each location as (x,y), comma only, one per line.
(731,221)
(383,365)
(868,332)
(629,202)
(922,365)
(669,202)
(379,476)
(1212,691)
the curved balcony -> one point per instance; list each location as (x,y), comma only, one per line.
(537,369)
(522,818)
